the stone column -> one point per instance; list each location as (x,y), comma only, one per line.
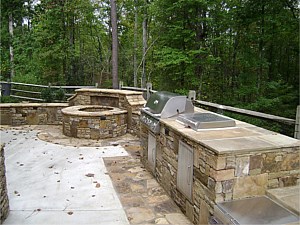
(4,204)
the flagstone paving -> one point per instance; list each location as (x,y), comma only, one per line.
(144,200)
(54,179)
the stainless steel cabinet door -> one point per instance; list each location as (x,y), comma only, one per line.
(151,150)
(185,169)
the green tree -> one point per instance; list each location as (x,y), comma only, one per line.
(11,19)
(235,52)
(232,52)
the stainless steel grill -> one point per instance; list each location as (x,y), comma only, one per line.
(163,105)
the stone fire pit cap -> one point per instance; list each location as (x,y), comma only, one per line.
(79,110)
(112,91)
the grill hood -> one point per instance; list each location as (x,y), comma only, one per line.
(165,104)
(162,105)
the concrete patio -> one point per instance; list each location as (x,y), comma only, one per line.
(54,179)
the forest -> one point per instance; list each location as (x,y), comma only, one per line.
(242,53)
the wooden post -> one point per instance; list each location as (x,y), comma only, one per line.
(297,124)
(149,88)
(120,84)
(6,88)
(192,95)
(220,110)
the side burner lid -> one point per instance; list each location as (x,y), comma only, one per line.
(198,121)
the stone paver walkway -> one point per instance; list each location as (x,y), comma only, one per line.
(143,199)
(53,179)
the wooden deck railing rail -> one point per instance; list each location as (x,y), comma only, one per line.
(247,112)
(146,91)
(20,90)
(14,89)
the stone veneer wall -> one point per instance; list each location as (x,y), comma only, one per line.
(131,101)
(94,125)
(50,113)
(4,204)
(218,178)
(31,113)
(134,127)
(108,97)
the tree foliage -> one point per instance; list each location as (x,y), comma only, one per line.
(233,52)
(236,52)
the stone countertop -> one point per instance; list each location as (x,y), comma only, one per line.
(243,138)
(79,110)
(9,105)
(110,91)
(289,197)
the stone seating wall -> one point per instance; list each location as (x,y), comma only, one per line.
(4,204)
(16,114)
(131,101)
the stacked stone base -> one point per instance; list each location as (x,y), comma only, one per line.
(99,122)
(218,177)
(4,204)
(17,114)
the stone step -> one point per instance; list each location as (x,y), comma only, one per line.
(289,197)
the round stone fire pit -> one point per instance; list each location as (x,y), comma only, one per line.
(94,121)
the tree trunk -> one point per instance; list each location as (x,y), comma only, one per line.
(73,79)
(11,49)
(135,45)
(115,82)
(145,46)
(261,49)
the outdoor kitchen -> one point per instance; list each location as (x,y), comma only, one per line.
(214,167)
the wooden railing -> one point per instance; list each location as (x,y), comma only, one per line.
(284,125)
(146,91)
(246,112)
(32,92)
